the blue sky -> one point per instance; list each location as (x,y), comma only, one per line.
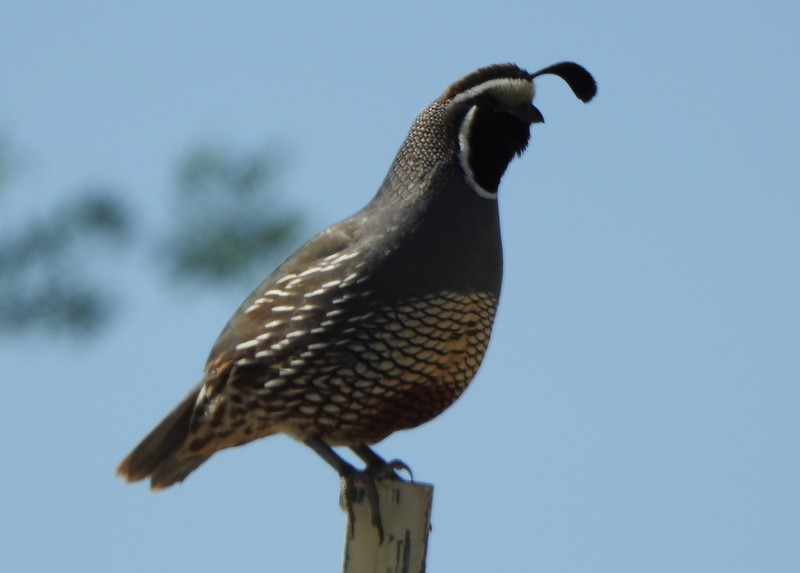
(638,408)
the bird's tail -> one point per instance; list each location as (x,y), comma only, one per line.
(156,456)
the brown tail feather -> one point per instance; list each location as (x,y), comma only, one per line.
(155,457)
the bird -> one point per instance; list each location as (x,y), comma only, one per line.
(379,322)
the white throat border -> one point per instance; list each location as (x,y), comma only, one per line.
(463,156)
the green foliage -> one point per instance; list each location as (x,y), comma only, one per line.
(41,278)
(226,226)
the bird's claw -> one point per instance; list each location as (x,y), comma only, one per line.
(367,478)
(398,465)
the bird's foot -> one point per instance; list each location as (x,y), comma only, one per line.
(367,478)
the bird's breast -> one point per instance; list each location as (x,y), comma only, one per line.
(373,370)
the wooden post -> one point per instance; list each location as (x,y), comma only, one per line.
(406,512)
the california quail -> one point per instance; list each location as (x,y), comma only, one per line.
(378,323)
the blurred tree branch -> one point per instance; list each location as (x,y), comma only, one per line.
(226,226)
(41,278)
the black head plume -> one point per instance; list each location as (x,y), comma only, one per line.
(487,114)
(496,112)
(577,77)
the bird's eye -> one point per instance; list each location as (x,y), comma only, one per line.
(487,102)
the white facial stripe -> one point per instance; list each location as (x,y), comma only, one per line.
(509,91)
(463,156)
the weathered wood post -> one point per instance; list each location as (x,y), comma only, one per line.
(406,512)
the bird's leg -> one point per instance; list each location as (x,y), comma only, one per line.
(324,451)
(376,463)
(349,475)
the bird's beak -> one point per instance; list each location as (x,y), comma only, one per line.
(530,114)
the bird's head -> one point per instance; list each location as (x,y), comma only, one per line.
(490,112)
